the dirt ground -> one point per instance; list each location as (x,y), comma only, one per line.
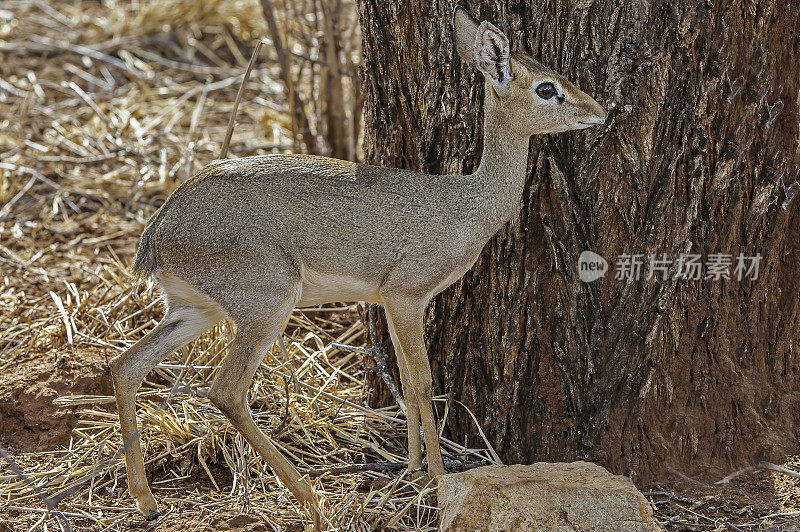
(29,421)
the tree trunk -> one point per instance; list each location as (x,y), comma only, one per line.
(699,155)
(332,90)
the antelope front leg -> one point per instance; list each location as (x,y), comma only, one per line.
(412,407)
(405,316)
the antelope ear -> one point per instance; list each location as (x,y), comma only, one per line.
(465,28)
(492,52)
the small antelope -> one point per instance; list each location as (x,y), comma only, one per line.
(236,241)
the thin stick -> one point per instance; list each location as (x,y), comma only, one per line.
(223,152)
(381,366)
(384,467)
(380,467)
(286,72)
(761,465)
(63,522)
(7,207)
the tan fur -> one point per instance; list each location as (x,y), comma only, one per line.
(251,238)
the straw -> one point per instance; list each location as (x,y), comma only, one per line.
(106,109)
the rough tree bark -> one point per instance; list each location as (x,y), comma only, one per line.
(700,155)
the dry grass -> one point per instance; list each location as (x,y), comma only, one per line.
(105,109)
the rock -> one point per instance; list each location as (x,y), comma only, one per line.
(562,497)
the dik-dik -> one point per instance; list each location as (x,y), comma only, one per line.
(249,239)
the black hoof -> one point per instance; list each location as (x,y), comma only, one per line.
(153,516)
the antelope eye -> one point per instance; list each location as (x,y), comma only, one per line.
(546,90)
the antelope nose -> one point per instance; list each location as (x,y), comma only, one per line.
(599,112)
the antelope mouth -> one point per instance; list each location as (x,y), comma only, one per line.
(593,122)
